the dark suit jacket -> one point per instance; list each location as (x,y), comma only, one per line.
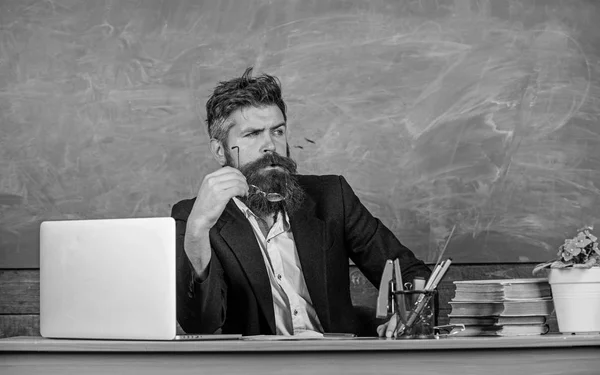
(331,226)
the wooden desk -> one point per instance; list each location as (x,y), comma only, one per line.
(549,354)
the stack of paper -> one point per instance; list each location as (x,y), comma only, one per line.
(502,307)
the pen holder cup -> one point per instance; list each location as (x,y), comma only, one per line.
(415,314)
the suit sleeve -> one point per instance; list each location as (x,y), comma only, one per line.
(201,306)
(371,243)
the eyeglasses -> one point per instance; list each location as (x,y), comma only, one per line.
(253,189)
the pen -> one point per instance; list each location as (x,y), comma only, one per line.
(433,276)
(442,272)
(418,284)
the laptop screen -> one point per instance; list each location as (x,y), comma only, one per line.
(108,279)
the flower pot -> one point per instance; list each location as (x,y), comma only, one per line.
(576,295)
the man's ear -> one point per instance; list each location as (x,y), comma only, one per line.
(218,151)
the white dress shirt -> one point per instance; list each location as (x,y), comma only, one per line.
(294,313)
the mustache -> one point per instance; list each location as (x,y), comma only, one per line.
(281,182)
(270,159)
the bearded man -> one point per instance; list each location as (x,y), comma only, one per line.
(262,249)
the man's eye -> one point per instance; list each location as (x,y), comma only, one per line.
(279,132)
(253,134)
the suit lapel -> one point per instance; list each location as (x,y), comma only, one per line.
(238,234)
(308,234)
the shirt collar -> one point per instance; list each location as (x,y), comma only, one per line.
(248,213)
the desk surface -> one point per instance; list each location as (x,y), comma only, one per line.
(547,355)
(39,344)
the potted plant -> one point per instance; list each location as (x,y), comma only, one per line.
(575,281)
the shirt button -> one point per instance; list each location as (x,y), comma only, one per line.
(279,277)
(295,312)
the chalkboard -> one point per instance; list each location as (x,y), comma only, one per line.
(479,113)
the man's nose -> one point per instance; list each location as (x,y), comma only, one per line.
(269,145)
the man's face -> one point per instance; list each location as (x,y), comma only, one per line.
(260,137)
(257,131)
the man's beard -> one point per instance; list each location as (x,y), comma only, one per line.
(280,181)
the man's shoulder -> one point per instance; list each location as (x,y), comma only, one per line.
(322,185)
(325,180)
(312,179)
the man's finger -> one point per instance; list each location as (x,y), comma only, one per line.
(223,181)
(236,191)
(229,184)
(391,326)
(231,174)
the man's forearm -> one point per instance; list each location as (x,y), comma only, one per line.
(197,248)
(200,302)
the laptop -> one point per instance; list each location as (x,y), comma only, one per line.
(110,279)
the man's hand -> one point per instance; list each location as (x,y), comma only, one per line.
(215,191)
(387,329)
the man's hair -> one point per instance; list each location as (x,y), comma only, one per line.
(237,93)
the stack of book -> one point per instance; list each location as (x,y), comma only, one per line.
(502,307)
